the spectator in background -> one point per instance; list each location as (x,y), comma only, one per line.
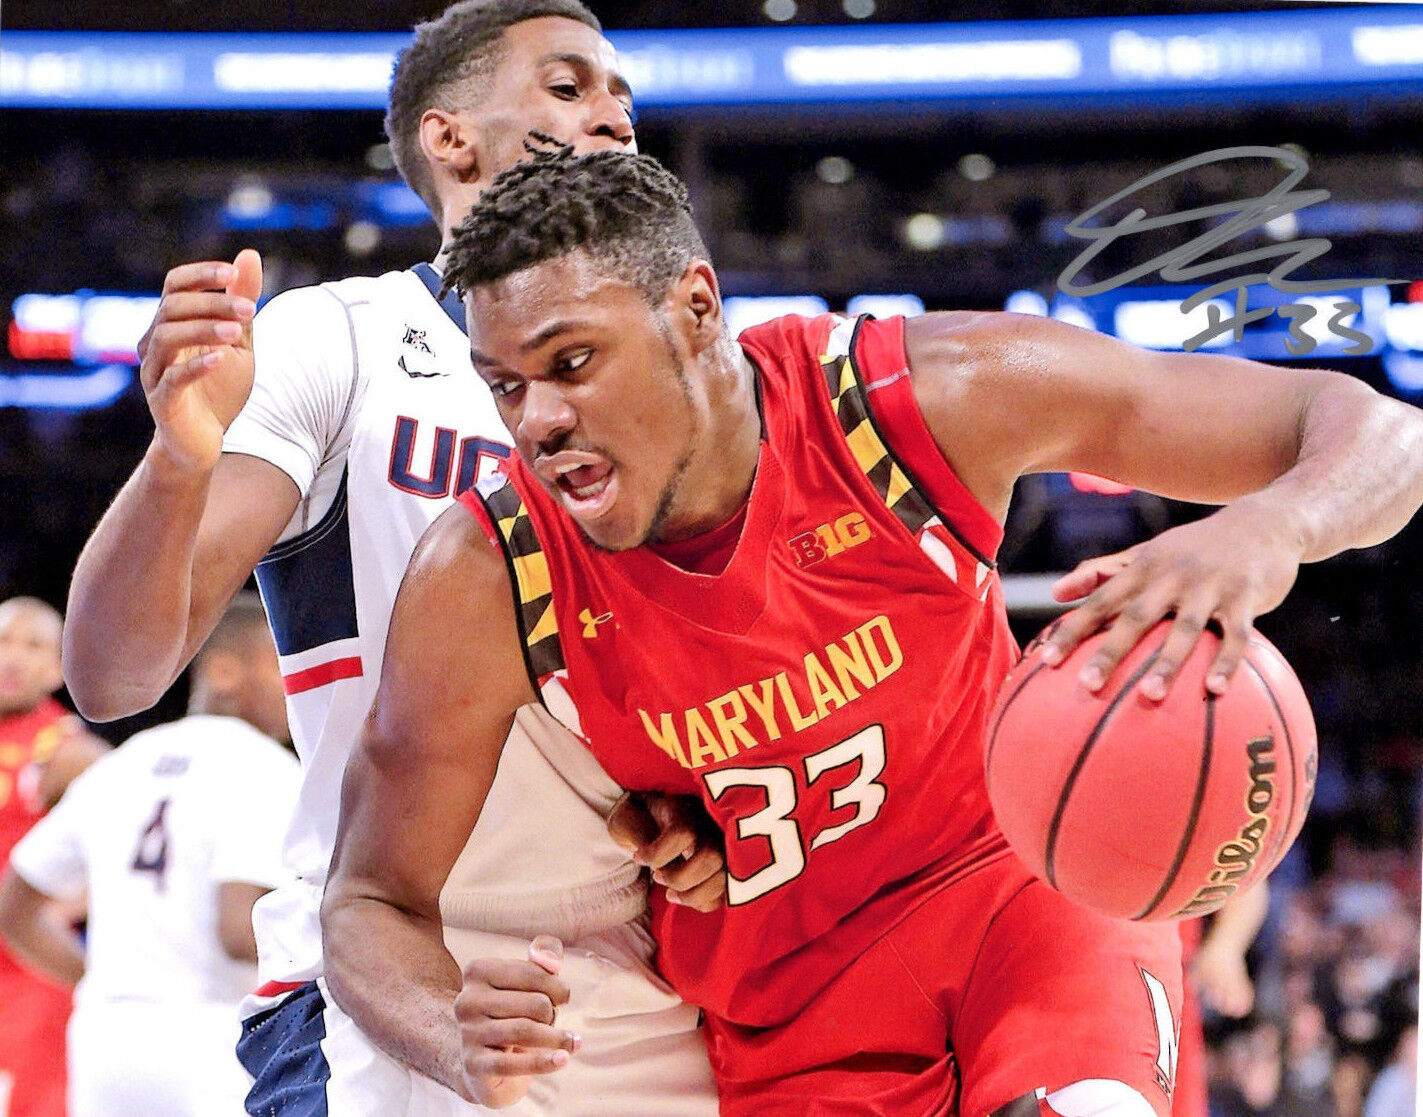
(42,748)
(1217,979)
(175,836)
(1395,1090)
(1254,1082)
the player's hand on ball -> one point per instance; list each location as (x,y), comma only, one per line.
(674,837)
(1225,569)
(507,1012)
(197,363)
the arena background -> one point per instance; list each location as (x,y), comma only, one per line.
(956,194)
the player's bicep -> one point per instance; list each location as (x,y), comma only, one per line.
(1008,394)
(452,680)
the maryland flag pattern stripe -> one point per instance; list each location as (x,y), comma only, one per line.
(847,396)
(538,621)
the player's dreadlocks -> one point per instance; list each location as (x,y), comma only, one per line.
(626,211)
(448,67)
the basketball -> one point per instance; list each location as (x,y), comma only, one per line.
(1147,810)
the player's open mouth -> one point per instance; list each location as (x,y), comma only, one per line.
(586,483)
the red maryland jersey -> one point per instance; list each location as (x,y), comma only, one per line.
(25,739)
(825,694)
(34,1011)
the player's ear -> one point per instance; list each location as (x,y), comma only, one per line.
(449,143)
(699,298)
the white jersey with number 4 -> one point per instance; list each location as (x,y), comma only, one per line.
(366,398)
(149,832)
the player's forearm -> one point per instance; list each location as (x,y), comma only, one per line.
(35,933)
(130,598)
(1358,478)
(390,972)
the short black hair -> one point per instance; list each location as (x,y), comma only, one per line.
(447,67)
(626,211)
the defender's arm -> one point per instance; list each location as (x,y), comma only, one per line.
(186,530)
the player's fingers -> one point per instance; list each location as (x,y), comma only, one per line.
(1095,612)
(169,340)
(630,824)
(205,275)
(1235,637)
(486,976)
(1186,628)
(546,952)
(517,1031)
(494,1063)
(701,866)
(247,281)
(184,305)
(193,366)
(667,847)
(1090,574)
(707,896)
(1133,620)
(475,1004)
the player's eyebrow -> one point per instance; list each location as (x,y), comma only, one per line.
(549,332)
(483,360)
(528,345)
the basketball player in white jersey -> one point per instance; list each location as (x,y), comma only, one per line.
(173,837)
(363,421)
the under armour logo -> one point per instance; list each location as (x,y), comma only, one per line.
(416,340)
(591,623)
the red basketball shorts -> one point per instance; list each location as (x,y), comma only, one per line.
(993,988)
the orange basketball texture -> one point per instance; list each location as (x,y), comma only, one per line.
(1149,810)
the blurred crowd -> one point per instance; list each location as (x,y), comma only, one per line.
(1334,1031)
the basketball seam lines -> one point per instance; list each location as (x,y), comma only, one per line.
(1081,761)
(1202,778)
(993,732)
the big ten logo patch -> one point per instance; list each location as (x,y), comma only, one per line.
(829,540)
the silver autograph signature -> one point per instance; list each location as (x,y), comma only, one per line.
(1184,264)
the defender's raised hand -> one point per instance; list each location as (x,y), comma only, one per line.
(197,363)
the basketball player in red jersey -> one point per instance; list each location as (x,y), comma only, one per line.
(763,573)
(42,748)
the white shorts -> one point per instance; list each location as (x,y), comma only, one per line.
(141,1058)
(642,1054)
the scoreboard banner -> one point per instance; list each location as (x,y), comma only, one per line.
(1373,51)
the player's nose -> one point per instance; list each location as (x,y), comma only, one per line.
(608,117)
(546,416)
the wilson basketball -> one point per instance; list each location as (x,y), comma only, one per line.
(1149,810)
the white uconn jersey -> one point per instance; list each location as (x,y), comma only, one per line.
(150,831)
(365,396)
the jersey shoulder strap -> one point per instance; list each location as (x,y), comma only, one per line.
(505,519)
